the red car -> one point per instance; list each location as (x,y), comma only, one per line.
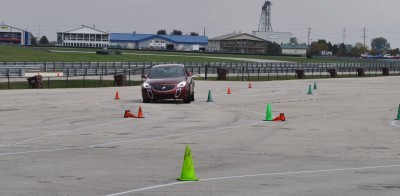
(169,81)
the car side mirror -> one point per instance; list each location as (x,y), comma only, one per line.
(144,76)
(190,73)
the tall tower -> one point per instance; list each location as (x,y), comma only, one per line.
(265,19)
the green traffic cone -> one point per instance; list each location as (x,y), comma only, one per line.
(188,173)
(268,115)
(398,113)
(209,99)
(309,90)
(315,86)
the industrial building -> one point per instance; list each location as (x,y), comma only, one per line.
(13,35)
(158,42)
(83,36)
(237,43)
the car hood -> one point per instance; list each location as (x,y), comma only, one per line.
(153,81)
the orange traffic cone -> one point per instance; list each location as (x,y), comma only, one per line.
(250,85)
(116,95)
(128,114)
(282,115)
(278,118)
(140,113)
(229,91)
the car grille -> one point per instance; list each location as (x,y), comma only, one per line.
(163,87)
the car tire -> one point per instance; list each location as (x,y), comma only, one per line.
(146,100)
(192,97)
(188,98)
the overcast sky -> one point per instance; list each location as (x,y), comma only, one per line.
(326,18)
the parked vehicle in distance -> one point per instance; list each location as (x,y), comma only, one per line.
(168,81)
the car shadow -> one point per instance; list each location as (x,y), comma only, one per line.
(167,101)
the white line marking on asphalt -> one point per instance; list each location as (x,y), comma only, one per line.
(35,151)
(174,135)
(239,109)
(395,123)
(59,133)
(255,175)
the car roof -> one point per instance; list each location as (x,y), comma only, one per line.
(169,65)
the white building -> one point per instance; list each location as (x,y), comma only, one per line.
(277,37)
(293,49)
(84,37)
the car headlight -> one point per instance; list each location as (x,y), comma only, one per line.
(182,84)
(146,85)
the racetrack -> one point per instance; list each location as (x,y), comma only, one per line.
(342,140)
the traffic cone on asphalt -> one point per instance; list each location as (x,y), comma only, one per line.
(188,173)
(140,113)
(229,91)
(268,113)
(209,99)
(315,86)
(128,114)
(282,115)
(116,95)
(278,118)
(398,113)
(250,85)
(309,90)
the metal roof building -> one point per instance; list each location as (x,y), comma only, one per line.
(13,35)
(238,43)
(161,42)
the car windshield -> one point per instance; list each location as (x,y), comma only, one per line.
(167,72)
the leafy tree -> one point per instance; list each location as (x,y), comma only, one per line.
(162,32)
(33,41)
(335,49)
(273,48)
(194,34)
(293,40)
(359,49)
(330,46)
(394,52)
(342,51)
(380,45)
(317,47)
(43,40)
(176,32)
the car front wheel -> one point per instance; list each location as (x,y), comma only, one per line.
(188,98)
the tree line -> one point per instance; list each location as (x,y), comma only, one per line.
(379,46)
(175,32)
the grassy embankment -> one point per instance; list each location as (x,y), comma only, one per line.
(49,54)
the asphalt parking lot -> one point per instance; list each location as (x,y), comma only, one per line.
(342,140)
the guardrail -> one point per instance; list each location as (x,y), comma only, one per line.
(139,68)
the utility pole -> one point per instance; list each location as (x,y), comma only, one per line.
(364,35)
(344,34)
(309,33)
(204,33)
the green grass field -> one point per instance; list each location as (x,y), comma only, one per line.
(42,54)
(65,84)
